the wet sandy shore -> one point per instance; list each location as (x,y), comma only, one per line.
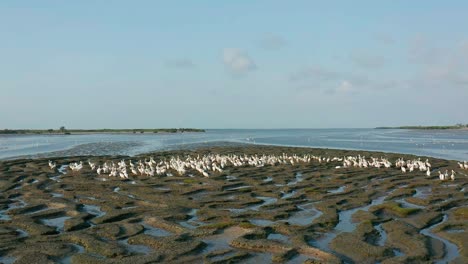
(311,213)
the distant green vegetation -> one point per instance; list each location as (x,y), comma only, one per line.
(63,130)
(457,126)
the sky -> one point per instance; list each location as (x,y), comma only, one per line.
(233,64)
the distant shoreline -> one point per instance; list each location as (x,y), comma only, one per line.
(456,127)
(97,131)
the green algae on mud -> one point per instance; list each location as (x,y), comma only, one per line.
(190,219)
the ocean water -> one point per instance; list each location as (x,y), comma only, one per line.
(448,144)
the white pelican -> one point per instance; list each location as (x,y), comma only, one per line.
(92,165)
(441,176)
(52,165)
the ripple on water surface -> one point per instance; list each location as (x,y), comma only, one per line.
(261,222)
(135,249)
(77,249)
(92,209)
(286,195)
(154,231)
(423,192)
(345,224)
(382,235)
(7,259)
(451,250)
(192,222)
(338,190)
(298,179)
(222,241)
(307,214)
(58,222)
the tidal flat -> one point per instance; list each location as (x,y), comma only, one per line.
(289,213)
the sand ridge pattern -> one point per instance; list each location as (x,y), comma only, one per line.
(305,212)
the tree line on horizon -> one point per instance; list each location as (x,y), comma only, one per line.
(63,130)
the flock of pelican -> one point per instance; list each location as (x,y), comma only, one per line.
(464,165)
(216,163)
(445,176)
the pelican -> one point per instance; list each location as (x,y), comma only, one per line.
(92,165)
(427,163)
(75,166)
(452,176)
(113,173)
(441,176)
(123,174)
(52,165)
(213,163)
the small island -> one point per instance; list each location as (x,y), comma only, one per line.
(62,130)
(457,126)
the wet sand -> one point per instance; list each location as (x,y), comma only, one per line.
(287,213)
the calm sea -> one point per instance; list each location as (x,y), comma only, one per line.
(449,144)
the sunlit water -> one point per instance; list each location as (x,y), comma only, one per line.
(449,144)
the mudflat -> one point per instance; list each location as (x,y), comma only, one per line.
(310,212)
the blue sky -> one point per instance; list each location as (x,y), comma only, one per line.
(232,64)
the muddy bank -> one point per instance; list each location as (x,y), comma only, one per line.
(287,213)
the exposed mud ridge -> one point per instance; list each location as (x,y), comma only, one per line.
(288,213)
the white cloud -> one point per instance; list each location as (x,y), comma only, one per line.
(439,67)
(180,63)
(331,82)
(314,73)
(464,49)
(273,42)
(422,52)
(384,38)
(237,61)
(345,87)
(368,61)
